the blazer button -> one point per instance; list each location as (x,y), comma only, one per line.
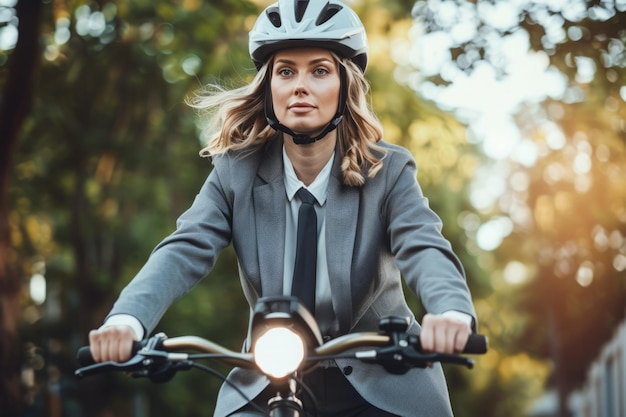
(347,370)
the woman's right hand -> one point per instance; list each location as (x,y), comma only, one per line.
(112,343)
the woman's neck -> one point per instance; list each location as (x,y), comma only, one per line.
(308,160)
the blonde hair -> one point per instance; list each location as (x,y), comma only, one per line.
(236,121)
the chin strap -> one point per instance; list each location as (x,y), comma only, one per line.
(300,139)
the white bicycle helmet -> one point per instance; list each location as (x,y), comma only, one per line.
(327,24)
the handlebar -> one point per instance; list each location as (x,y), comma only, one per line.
(397,354)
(397,351)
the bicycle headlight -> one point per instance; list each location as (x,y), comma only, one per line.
(279,352)
(281,333)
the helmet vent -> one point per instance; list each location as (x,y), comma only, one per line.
(301,6)
(273,15)
(327,13)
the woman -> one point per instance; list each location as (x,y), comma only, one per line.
(304,122)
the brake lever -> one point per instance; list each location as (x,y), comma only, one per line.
(399,359)
(138,365)
(133,364)
(405,350)
(425,360)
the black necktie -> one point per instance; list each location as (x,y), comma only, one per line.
(304,272)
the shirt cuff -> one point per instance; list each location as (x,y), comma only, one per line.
(126,320)
(457,315)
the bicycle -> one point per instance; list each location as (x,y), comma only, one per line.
(286,342)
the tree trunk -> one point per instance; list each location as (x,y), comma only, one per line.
(15,106)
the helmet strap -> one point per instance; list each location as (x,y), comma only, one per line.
(300,139)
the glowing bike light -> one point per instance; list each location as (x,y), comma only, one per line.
(279,352)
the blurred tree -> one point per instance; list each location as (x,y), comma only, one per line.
(14,108)
(565,200)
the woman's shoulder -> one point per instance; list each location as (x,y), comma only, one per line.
(395,151)
(396,161)
(396,158)
(239,158)
(246,164)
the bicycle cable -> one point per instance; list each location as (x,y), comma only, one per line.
(232,385)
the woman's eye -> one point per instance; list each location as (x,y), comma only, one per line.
(285,72)
(321,71)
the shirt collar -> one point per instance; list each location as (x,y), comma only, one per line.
(319,187)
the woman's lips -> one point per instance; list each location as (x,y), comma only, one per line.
(301,107)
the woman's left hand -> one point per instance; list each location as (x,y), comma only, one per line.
(444,334)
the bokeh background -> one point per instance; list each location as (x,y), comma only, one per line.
(514,109)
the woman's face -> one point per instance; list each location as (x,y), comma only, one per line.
(305,87)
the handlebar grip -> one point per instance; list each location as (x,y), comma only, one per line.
(476,344)
(85,358)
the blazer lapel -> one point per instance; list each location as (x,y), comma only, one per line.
(269,212)
(342,206)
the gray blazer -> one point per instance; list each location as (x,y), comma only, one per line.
(376,235)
